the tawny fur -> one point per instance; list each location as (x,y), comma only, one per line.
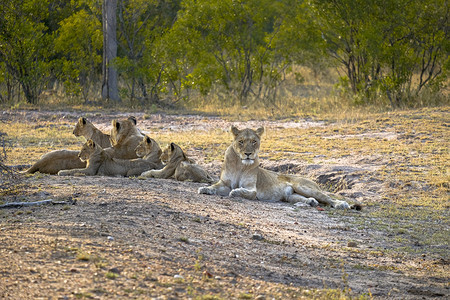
(125,137)
(149,150)
(241,176)
(179,166)
(100,162)
(86,129)
(54,161)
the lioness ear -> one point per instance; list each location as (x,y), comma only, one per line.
(116,125)
(82,121)
(133,119)
(91,143)
(172,146)
(148,140)
(235,131)
(260,131)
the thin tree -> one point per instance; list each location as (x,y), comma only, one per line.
(109,86)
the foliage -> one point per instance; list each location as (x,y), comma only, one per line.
(384,45)
(79,42)
(229,43)
(141,26)
(24,45)
(237,51)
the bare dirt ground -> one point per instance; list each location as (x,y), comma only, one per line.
(132,238)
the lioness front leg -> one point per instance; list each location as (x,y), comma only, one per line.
(220,188)
(244,193)
(164,173)
(76,172)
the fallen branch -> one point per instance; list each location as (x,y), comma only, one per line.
(48,201)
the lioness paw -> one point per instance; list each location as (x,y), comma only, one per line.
(235,193)
(244,193)
(147,174)
(341,205)
(312,202)
(206,190)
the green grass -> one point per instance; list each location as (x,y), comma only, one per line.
(111,275)
(83,256)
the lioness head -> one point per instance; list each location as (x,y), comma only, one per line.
(81,126)
(246,143)
(146,146)
(121,129)
(87,150)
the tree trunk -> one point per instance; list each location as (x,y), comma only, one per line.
(110,89)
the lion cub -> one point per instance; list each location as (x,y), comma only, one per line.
(149,150)
(57,160)
(179,166)
(100,162)
(86,129)
(241,176)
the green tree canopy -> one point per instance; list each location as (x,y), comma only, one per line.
(25,44)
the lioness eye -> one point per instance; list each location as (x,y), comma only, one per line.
(254,142)
(241,142)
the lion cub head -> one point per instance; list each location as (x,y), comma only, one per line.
(173,153)
(246,143)
(147,146)
(122,129)
(87,150)
(83,127)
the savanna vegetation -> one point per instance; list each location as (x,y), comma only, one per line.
(136,237)
(198,54)
(369,73)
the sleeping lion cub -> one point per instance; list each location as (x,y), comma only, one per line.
(179,166)
(100,162)
(241,176)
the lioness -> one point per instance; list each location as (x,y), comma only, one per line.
(125,137)
(149,150)
(241,176)
(54,161)
(99,162)
(90,132)
(179,166)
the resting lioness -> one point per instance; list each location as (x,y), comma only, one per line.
(179,166)
(99,162)
(54,161)
(241,176)
(125,137)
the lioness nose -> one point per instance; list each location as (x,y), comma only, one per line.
(248,153)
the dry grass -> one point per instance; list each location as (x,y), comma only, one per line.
(415,142)
(414,207)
